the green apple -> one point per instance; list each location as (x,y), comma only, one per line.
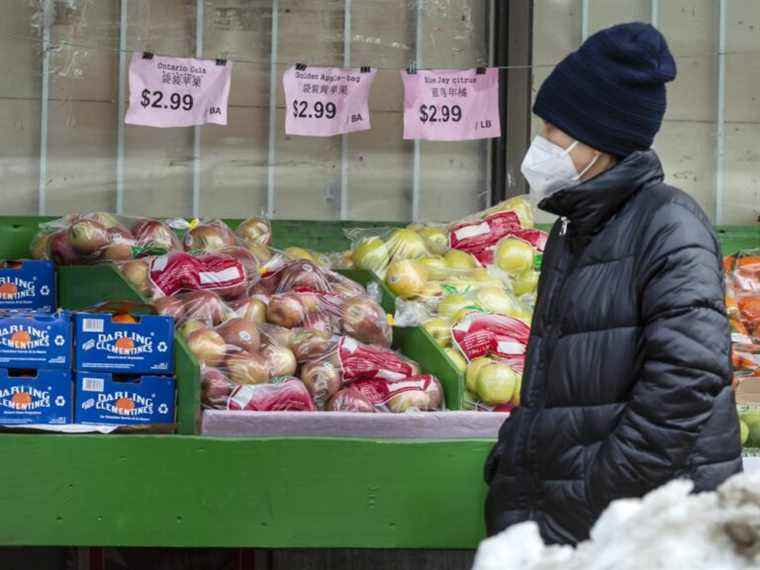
(406,244)
(371,254)
(458,259)
(525,283)
(514,256)
(440,329)
(744,430)
(496,384)
(473,370)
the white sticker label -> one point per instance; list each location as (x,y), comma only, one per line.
(349,344)
(92,384)
(510,347)
(229,274)
(472,231)
(92,325)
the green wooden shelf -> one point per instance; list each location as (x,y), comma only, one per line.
(175,491)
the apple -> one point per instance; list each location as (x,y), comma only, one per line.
(519,206)
(406,278)
(254,231)
(105,219)
(497,301)
(296,253)
(208,347)
(469,401)
(310,344)
(440,329)
(322,379)
(252,309)
(190,326)
(496,383)
(363,319)
(350,400)
(248,368)
(155,237)
(525,283)
(61,251)
(371,254)
(285,310)
(209,238)
(436,267)
(411,400)
(240,333)
(452,304)
(436,239)
(205,306)
(280,360)
(272,334)
(260,253)
(215,388)
(137,272)
(458,259)
(39,246)
(170,307)
(88,236)
(473,370)
(514,256)
(457,360)
(406,244)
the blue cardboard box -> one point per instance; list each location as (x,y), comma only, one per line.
(27,284)
(35,397)
(38,340)
(103,399)
(144,347)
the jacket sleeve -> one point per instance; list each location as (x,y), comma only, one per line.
(685,358)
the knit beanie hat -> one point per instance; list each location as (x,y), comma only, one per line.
(610,93)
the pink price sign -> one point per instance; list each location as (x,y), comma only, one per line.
(177,92)
(444,105)
(327,101)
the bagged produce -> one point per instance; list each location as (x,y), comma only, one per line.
(479,335)
(82,239)
(287,394)
(180,271)
(416,393)
(346,360)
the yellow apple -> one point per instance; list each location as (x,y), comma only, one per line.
(496,384)
(473,370)
(514,256)
(406,278)
(458,259)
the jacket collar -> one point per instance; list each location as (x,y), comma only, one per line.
(592,203)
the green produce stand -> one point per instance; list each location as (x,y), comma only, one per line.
(190,491)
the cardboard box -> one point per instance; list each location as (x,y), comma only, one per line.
(35,340)
(27,285)
(101,398)
(35,397)
(144,347)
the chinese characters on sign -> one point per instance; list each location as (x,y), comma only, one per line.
(327,101)
(177,92)
(443,105)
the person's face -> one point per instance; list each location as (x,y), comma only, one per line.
(581,154)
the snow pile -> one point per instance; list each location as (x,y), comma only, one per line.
(669,528)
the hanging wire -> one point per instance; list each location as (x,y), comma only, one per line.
(57,45)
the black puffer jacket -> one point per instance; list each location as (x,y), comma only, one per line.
(627,377)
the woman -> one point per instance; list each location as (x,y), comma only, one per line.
(627,376)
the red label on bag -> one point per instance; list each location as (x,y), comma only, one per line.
(478,235)
(181,271)
(483,335)
(368,362)
(287,396)
(485,255)
(380,392)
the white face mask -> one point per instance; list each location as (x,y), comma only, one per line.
(548,168)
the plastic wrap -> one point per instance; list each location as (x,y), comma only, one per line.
(349,363)
(100,237)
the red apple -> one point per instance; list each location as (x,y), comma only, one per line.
(280,360)
(155,237)
(285,311)
(366,321)
(215,388)
(61,251)
(137,272)
(205,306)
(209,238)
(322,379)
(240,333)
(251,309)
(170,307)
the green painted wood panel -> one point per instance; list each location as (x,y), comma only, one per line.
(176,491)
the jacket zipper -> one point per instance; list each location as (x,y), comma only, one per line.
(565,223)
